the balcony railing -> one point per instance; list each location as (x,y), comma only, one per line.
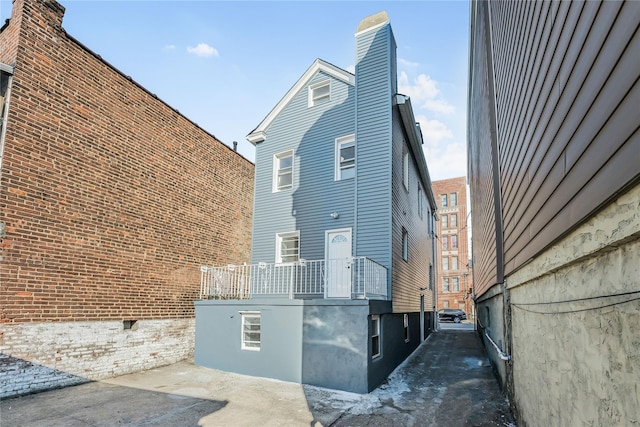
(354,278)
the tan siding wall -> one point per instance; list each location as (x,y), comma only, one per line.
(408,277)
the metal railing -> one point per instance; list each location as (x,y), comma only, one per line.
(355,278)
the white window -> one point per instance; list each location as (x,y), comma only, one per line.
(443,200)
(445,263)
(456,284)
(454,262)
(454,242)
(445,243)
(445,284)
(288,247)
(405,170)
(406,328)
(283,171)
(250,330)
(454,199)
(319,92)
(375,336)
(405,245)
(445,222)
(445,304)
(345,157)
(420,207)
(454,221)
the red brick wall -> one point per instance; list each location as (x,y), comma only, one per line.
(459,299)
(111,199)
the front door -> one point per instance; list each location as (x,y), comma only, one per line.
(338,263)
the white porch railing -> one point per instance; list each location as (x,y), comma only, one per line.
(355,278)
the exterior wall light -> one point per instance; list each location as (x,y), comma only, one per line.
(335,215)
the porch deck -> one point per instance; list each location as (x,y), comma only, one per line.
(354,278)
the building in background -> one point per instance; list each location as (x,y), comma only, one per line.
(110,200)
(455,281)
(338,291)
(554,171)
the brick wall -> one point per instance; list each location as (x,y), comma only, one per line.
(40,356)
(110,198)
(460,299)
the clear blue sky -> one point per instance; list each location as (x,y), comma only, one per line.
(225,65)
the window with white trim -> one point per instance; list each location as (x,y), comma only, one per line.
(283,171)
(454,241)
(454,262)
(445,263)
(405,245)
(445,243)
(345,157)
(375,336)
(319,92)
(454,221)
(250,330)
(405,169)
(454,199)
(445,284)
(445,304)
(406,328)
(288,247)
(443,200)
(445,221)
(456,284)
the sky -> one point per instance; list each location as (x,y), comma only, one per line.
(225,65)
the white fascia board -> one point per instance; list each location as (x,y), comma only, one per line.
(259,134)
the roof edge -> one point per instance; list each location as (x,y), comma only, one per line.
(259,133)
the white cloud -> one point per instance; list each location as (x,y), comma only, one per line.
(424,93)
(170,46)
(406,63)
(446,157)
(433,131)
(203,50)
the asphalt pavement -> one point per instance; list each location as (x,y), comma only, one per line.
(447,382)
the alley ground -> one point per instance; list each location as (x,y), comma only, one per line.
(447,382)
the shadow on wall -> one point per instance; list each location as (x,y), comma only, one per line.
(19,377)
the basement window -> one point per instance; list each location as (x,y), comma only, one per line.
(130,324)
(375,336)
(250,330)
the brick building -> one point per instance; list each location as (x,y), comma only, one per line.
(454,268)
(110,200)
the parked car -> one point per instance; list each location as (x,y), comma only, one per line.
(452,314)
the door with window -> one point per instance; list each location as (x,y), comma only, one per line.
(338,263)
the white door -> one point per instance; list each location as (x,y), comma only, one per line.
(338,263)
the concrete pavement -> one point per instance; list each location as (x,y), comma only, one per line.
(447,382)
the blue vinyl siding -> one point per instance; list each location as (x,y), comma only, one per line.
(374,89)
(311,132)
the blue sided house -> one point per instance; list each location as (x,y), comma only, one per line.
(338,290)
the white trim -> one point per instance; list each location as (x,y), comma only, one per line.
(376,333)
(276,163)
(243,316)
(259,135)
(279,237)
(311,101)
(337,175)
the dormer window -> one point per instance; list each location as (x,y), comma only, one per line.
(319,92)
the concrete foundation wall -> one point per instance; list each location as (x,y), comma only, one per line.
(41,356)
(490,321)
(219,338)
(577,362)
